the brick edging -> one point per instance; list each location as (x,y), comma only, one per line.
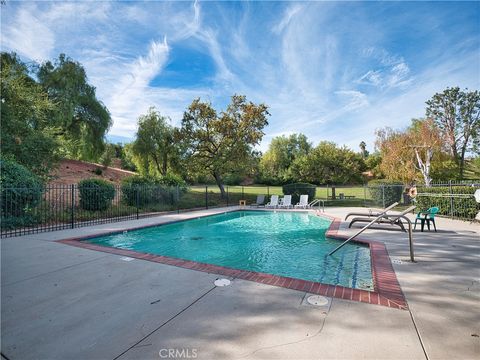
(387,291)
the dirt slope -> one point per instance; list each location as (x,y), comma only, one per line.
(72,171)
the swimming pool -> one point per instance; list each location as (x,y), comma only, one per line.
(290,244)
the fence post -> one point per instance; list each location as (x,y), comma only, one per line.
(452,206)
(137,200)
(206,197)
(227,196)
(364,194)
(268,191)
(178,199)
(72,215)
(243,194)
(383,195)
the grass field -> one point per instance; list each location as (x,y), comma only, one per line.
(359,192)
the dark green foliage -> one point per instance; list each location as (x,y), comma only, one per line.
(328,164)
(385,192)
(26,134)
(21,192)
(463,207)
(141,191)
(298,189)
(282,152)
(82,120)
(222,143)
(155,144)
(98,171)
(233,179)
(95,194)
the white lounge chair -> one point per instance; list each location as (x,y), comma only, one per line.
(273,203)
(303,203)
(286,202)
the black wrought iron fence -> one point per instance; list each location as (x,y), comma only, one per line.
(56,207)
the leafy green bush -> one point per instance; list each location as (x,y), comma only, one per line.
(298,189)
(21,192)
(233,179)
(390,189)
(463,207)
(95,194)
(141,191)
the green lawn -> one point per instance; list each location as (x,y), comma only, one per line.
(358,192)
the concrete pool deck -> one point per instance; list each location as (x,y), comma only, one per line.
(64,302)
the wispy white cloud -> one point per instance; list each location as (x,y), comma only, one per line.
(29,36)
(289,13)
(334,71)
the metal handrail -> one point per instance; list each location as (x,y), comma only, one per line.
(318,201)
(410,234)
(380,215)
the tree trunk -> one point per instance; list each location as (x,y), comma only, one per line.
(218,180)
(462,161)
(424,167)
(164,164)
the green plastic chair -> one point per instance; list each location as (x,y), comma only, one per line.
(427,217)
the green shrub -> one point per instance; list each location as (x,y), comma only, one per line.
(95,194)
(233,179)
(391,190)
(21,192)
(463,207)
(171,180)
(298,189)
(98,171)
(142,191)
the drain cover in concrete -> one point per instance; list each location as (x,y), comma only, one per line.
(222,282)
(317,300)
(126,258)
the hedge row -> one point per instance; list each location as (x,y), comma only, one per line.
(463,207)
(298,189)
(141,191)
(95,194)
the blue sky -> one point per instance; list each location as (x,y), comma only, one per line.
(331,70)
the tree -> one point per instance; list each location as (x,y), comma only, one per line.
(26,134)
(425,139)
(82,119)
(221,143)
(282,152)
(457,114)
(406,153)
(363,148)
(155,142)
(373,162)
(329,164)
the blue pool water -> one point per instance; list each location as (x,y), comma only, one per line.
(289,244)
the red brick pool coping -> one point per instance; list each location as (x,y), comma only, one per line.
(387,291)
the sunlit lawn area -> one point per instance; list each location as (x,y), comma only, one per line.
(359,192)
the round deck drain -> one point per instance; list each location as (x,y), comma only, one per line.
(317,300)
(222,282)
